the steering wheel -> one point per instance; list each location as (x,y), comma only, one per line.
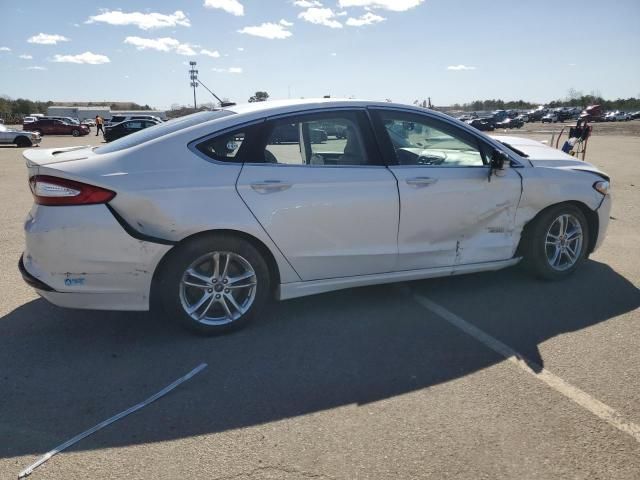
(432,158)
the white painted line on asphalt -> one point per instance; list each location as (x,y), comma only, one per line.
(29,470)
(574,394)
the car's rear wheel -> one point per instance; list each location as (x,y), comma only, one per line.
(214,284)
(23,142)
(556,242)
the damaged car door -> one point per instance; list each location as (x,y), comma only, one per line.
(451,214)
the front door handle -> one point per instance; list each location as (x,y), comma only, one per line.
(421,181)
(268,186)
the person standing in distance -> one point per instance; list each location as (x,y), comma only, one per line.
(99,123)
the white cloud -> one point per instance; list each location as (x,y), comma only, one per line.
(341,14)
(36,67)
(333,54)
(5,49)
(366,19)
(185,49)
(24,56)
(164,44)
(307,3)
(209,53)
(572,64)
(86,57)
(144,21)
(460,67)
(47,39)
(230,6)
(284,23)
(241,49)
(267,30)
(228,70)
(394,5)
(320,16)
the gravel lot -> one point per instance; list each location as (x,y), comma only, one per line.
(356,384)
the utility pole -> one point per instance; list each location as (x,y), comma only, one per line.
(193,75)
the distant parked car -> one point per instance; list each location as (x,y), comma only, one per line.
(536,115)
(11,136)
(510,123)
(123,118)
(550,118)
(524,117)
(617,116)
(289,133)
(88,122)
(47,126)
(635,115)
(70,120)
(481,124)
(29,119)
(335,130)
(122,129)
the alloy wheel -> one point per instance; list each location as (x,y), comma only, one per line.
(563,242)
(218,288)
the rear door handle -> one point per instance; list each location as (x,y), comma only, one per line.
(421,181)
(268,186)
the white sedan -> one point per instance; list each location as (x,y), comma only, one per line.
(21,138)
(210,215)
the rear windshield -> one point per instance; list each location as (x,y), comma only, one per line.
(161,129)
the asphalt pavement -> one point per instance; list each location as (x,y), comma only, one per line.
(367,383)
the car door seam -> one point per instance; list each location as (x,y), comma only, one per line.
(259,223)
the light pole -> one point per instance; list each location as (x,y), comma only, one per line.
(193,75)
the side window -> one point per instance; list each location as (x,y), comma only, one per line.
(225,148)
(418,141)
(133,125)
(319,140)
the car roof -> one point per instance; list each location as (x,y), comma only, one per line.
(274,107)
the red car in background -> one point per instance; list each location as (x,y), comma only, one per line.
(49,126)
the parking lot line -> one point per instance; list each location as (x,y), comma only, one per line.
(586,401)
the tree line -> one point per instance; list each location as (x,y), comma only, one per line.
(15,109)
(573,99)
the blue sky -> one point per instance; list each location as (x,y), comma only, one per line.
(450,50)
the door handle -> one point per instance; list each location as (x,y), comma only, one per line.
(421,181)
(268,186)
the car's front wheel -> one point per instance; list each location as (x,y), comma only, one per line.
(214,284)
(23,142)
(556,242)
(75,133)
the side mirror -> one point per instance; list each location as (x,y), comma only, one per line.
(498,164)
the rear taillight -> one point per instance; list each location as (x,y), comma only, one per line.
(49,190)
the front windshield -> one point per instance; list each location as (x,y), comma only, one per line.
(161,129)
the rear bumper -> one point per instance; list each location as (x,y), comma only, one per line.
(81,257)
(30,279)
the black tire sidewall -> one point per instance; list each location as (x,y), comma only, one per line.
(534,242)
(168,283)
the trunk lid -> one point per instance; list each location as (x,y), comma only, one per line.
(36,158)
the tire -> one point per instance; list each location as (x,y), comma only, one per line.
(219,313)
(542,242)
(75,133)
(23,142)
